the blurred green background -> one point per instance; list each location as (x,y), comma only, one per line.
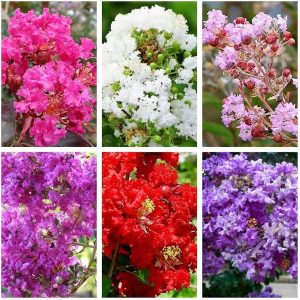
(216,86)
(111,9)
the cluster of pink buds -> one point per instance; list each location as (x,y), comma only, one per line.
(250,53)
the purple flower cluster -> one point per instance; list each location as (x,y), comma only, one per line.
(266,293)
(249,216)
(48,205)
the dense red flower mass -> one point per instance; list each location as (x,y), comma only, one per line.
(147,215)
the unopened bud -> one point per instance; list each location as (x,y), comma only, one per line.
(246,40)
(272,73)
(240,20)
(214,43)
(278,138)
(287,35)
(258,131)
(250,66)
(271,38)
(242,64)
(286,72)
(291,42)
(250,84)
(274,47)
(247,121)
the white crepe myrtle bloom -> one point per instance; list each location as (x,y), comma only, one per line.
(149,78)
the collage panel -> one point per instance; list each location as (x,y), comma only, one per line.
(250,220)
(250,74)
(49,74)
(49,225)
(149,229)
(149,84)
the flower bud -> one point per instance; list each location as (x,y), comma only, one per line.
(250,66)
(286,72)
(17,80)
(272,73)
(188,102)
(149,54)
(42,57)
(278,138)
(127,72)
(237,47)
(242,64)
(247,121)
(168,71)
(160,57)
(221,33)
(214,43)
(287,35)
(246,40)
(271,38)
(180,96)
(174,89)
(165,189)
(258,131)
(176,46)
(167,35)
(153,66)
(156,139)
(187,54)
(240,20)
(250,84)
(274,47)
(291,42)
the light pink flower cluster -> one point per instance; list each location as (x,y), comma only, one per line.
(249,52)
(49,74)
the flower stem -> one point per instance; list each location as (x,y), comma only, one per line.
(114,258)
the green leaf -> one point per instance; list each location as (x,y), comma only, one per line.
(219,130)
(211,99)
(106,285)
(106,262)
(142,275)
(123,260)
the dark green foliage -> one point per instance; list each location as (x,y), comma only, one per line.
(230,283)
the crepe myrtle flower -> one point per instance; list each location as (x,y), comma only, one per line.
(249,216)
(48,210)
(149,77)
(50,76)
(151,224)
(247,51)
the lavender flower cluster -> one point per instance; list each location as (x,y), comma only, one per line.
(249,216)
(48,204)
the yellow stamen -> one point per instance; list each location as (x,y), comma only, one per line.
(252,223)
(147,208)
(171,253)
(285,264)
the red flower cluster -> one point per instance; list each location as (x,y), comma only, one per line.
(147,215)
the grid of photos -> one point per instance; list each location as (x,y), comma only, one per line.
(109,142)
